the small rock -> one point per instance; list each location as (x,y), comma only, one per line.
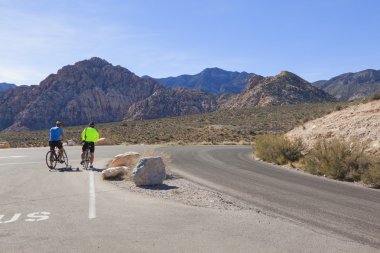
(4,144)
(103,141)
(71,143)
(114,172)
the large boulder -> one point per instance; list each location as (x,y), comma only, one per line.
(149,171)
(103,141)
(128,159)
(114,172)
(4,144)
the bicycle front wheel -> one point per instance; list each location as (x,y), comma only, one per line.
(51,159)
(65,158)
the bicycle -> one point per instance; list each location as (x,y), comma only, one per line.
(52,157)
(87,158)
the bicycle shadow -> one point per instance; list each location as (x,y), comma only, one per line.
(93,169)
(65,169)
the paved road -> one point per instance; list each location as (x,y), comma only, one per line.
(341,208)
(76,211)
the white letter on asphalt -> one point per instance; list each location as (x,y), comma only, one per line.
(14,218)
(38,216)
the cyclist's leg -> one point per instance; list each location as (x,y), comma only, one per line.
(51,145)
(92,151)
(60,148)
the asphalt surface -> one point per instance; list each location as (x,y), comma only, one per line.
(342,208)
(76,211)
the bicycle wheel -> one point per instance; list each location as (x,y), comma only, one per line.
(65,158)
(51,160)
(86,159)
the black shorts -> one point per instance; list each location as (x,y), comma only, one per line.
(54,144)
(90,145)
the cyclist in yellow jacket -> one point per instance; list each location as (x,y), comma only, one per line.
(89,136)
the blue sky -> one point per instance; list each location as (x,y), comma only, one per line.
(316,39)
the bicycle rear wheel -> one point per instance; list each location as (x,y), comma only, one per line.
(51,159)
(86,159)
(65,158)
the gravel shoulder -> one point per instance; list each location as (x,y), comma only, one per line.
(179,189)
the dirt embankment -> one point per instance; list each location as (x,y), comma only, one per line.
(358,124)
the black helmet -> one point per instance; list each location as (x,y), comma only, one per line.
(58,123)
(91,124)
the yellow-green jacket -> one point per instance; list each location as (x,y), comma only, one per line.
(90,134)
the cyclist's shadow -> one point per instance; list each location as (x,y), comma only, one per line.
(70,169)
(66,169)
(94,169)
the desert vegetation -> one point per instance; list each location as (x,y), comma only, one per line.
(278,149)
(335,159)
(221,127)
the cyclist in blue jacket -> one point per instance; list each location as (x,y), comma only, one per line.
(56,133)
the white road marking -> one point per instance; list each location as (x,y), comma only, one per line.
(2,164)
(36,216)
(12,156)
(91,203)
(13,219)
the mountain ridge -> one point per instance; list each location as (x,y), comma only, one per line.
(89,90)
(284,88)
(353,85)
(212,80)
(7,86)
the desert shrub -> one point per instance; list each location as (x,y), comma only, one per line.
(338,160)
(277,148)
(372,175)
(374,96)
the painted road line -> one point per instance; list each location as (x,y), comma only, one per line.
(91,203)
(2,164)
(13,156)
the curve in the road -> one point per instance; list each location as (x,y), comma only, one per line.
(341,208)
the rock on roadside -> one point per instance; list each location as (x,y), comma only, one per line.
(149,171)
(4,144)
(71,143)
(114,172)
(103,141)
(128,159)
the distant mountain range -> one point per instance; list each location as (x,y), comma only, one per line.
(345,87)
(212,80)
(6,86)
(352,86)
(95,90)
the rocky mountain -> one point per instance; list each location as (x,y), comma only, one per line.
(357,123)
(90,90)
(6,86)
(212,80)
(172,102)
(319,83)
(352,86)
(285,88)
